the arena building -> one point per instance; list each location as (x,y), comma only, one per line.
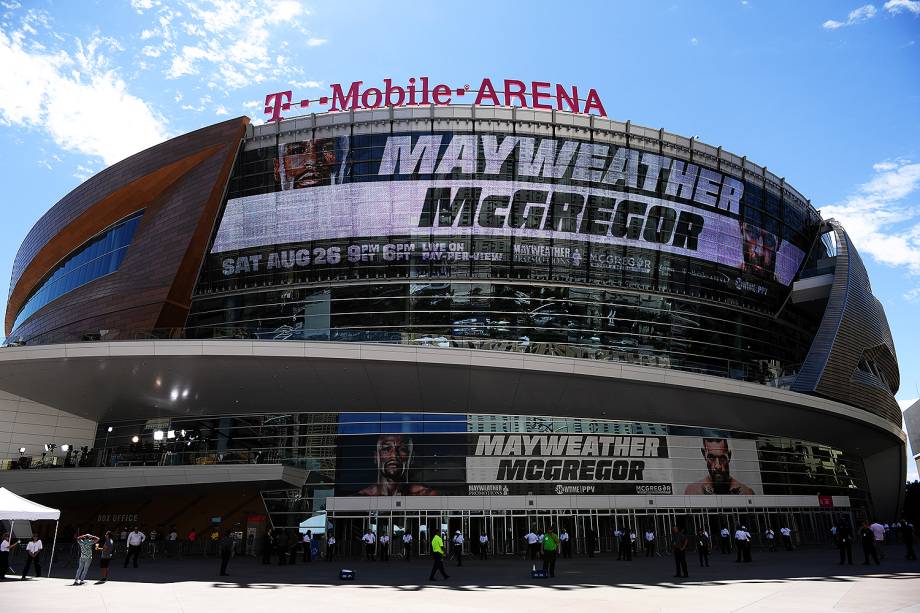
(463,316)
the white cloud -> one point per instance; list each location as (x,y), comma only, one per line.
(233,43)
(694,41)
(75,97)
(143,5)
(880,219)
(252,104)
(855,16)
(221,110)
(896,6)
(308,84)
(912,295)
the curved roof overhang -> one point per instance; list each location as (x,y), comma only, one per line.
(145,379)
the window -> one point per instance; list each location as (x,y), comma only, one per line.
(99,256)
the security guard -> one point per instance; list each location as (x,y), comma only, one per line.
(437,555)
(370,542)
(483,546)
(330,548)
(566,544)
(385,548)
(457,548)
(407,545)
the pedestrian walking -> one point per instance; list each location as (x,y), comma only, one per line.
(771,539)
(268,544)
(483,546)
(533,542)
(786,532)
(172,542)
(370,543)
(908,535)
(308,546)
(6,547)
(878,532)
(437,556)
(385,548)
(724,540)
(33,557)
(407,545)
(456,548)
(590,541)
(867,537)
(702,546)
(844,539)
(566,543)
(282,545)
(330,548)
(550,551)
(106,551)
(225,547)
(135,539)
(86,542)
(649,543)
(743,544)
(679,548)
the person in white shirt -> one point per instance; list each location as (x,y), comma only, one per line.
(330,548)
(33,556)
(135,539)
(566,543)
(483,546)
(771,539)
(172,542)
(725,541)
(649,543)
(743,543)
(533,542)
(786,532)
(407,545)
(385,548)
(5,548)
(457,547)
(369,544)
(308,546)
(878,531)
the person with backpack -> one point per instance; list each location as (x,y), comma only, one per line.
(550,551)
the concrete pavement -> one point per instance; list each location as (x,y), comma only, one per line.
(804,580)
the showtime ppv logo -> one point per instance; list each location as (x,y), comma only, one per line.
(533,95)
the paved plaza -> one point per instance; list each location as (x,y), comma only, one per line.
(805,580)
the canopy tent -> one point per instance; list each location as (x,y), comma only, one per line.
(15,507)
(316,524)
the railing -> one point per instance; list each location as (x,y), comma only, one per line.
(490,337)
(147,454)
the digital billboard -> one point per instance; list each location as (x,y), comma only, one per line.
(445,204)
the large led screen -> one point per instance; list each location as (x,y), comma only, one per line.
(440,203)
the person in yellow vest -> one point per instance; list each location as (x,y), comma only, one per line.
(437,554)
(550,549)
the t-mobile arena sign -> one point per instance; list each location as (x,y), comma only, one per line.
(421,91)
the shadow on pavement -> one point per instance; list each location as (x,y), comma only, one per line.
(509,573)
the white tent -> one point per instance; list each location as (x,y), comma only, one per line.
(316,524)
(15,507)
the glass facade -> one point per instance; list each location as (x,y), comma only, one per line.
(100,256)
(488,240)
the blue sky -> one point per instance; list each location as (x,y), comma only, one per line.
(826,94)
